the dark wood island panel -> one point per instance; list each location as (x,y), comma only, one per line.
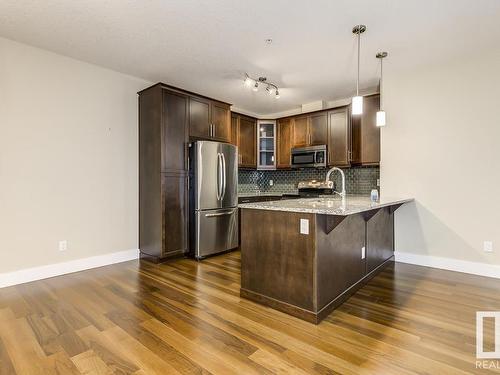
(309,275)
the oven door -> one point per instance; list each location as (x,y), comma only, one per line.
(301,159)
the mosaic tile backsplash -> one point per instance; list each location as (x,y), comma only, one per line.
(359,180)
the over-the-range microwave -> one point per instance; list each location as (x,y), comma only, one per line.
(312,156)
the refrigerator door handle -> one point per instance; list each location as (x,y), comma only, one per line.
(219,176)
(224,175)
(220,214)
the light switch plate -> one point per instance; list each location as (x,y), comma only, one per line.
(304,226)
(363,252)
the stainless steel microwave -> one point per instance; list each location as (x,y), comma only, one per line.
(312,156)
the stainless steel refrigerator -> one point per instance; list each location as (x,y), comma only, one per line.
(213,198)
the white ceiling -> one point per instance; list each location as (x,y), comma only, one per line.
(206,46)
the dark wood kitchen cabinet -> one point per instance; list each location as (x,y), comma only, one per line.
(209,119)
(168,118)
(175,214)
(339,137)
(318,129)
(283,142)
(244,135)
(199,118)
(310,130)
(221,120)
(366,134)
(300,131)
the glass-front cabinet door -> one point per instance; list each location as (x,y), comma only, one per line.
(266,144)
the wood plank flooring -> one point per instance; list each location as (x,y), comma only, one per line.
(185,317)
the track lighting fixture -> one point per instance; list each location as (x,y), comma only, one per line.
(271,88)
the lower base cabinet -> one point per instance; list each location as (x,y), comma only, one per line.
(163,217)
(175,208)
(308,275)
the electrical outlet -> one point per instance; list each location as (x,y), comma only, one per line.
(488,246)
(271,182)
(378,181)
(63,245)
(363,252)
(304,226)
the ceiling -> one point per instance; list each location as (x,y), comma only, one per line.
(207,46)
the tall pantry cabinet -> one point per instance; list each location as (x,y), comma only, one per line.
(163,172)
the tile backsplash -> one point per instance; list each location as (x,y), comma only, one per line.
(359,180)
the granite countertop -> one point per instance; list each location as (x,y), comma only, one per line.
(327,205)
(263,194)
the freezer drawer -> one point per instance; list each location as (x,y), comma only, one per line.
(216,231)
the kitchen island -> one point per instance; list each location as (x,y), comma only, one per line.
(307,256)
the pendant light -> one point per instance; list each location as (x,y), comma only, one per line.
(357,101)
(381,112)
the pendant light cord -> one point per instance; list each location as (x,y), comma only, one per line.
(359,43)
(381,82)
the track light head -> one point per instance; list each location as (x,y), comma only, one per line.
(248,81)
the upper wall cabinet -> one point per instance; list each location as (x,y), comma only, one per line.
(318,129)
(366,134)
(300,131)
(310,130)
(221,120)
(244,135)
(283,142)
(339,137)
(200,124)
(266,144)
(209,119)
(351,140)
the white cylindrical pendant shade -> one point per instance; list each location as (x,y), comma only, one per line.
(357,105)
(381,118)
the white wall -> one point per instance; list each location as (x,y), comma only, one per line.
(68,158)
(442,147)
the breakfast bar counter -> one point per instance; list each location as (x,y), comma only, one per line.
(307,256)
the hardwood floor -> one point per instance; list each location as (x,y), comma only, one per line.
(186,317)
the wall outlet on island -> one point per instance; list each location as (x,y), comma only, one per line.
(304,226)
(488,246)
(63,245)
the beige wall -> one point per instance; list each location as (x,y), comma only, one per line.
(442,146)
(68,158)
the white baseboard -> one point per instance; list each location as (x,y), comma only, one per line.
(43,272)
(475,268)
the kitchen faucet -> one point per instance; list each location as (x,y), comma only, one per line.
(342,192)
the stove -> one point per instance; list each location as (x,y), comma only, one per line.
(315,188)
